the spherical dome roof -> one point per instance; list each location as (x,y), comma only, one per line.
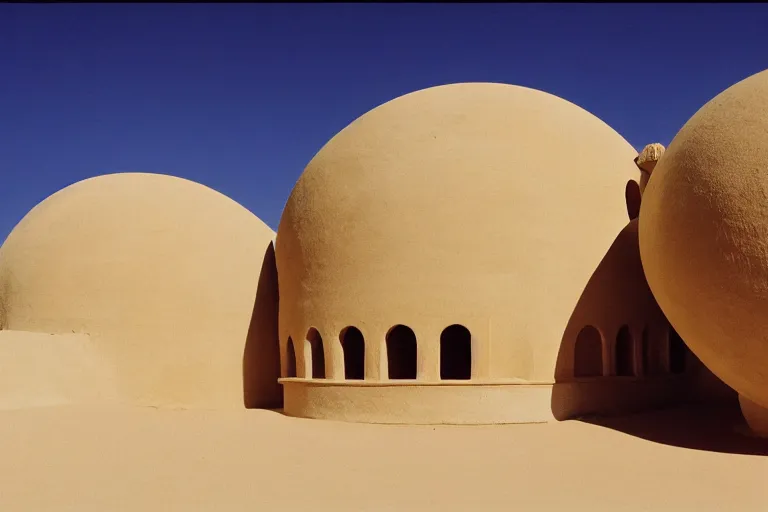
(487,205)
(704,235)
(160,271)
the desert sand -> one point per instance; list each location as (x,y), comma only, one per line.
(89,458)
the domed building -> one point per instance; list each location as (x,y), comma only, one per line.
(704,239)
(464,254)
(152,280)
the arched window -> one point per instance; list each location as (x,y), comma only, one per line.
(353,345)
(290,359)
(456,353)
(677,352)
(318,356)
(625,352)
(401,352)
(633,198)
(588,353)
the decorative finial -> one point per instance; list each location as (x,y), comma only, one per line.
(649,156)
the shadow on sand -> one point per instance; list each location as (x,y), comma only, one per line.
(714,428)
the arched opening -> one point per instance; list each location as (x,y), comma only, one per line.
(677,352)
(318,356)
(290,359)
(401,352)
(625,352)
(353,345)
(456,353)
(588,353)
(633,198)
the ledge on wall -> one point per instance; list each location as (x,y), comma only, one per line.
(475,403)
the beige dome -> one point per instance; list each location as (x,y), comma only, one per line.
(484,205)
(161,272)
(704,235)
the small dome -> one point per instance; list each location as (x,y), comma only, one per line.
(704,235)
(478,204)
(161,272)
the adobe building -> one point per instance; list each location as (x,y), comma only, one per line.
(469,254)
(704,239)
(464,254)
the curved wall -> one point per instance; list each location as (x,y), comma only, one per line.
(161,273)
(483,205)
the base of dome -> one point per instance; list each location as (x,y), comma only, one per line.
(475,403)
(755,415)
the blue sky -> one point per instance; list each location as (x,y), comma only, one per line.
(240,97)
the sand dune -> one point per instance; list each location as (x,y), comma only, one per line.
(112,458)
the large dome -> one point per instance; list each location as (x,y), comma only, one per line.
(704,235)
(485,205)
(161,272)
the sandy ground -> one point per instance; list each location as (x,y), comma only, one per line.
(119,458)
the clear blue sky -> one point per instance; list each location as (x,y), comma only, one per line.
(241,96)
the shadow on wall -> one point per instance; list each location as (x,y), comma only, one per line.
(261,357)
(597,369)
(618,354)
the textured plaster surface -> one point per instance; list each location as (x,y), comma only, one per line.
(704,235)
(39,369)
